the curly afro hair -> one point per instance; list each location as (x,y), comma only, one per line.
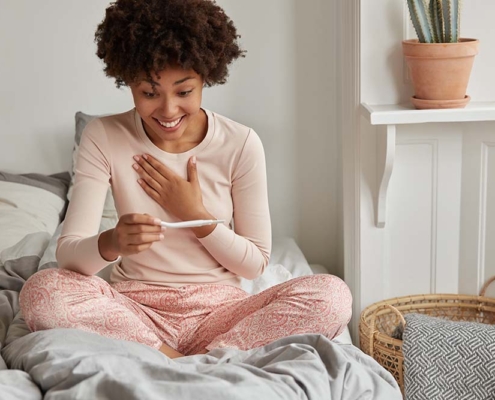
(146,36)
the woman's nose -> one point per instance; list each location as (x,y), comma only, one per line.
(168,109)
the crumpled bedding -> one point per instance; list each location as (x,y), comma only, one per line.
(72,364)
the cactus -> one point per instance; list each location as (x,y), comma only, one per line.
(452,19)
(435,21)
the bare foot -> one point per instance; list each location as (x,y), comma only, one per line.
(169,352)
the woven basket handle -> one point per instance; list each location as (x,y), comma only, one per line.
(485,286)
(373,318)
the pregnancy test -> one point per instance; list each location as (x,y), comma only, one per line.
(191,224)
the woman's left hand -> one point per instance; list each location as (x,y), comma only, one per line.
(179,196)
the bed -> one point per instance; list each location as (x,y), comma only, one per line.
(72,364)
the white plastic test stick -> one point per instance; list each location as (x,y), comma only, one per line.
(191,224)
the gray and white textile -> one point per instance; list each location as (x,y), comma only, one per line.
(447,360)
(72,364)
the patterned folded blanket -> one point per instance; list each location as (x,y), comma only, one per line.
(446,360)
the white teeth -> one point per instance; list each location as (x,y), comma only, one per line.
(169,124)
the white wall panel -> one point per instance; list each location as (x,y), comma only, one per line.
(489,239)
(477,246)
(411,231)
(424,211)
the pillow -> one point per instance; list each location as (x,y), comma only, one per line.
(286,252)
(30,203)
(56,183)
(109,216)
(286,261)
(446,359)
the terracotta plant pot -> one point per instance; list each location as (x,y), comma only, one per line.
(440,72)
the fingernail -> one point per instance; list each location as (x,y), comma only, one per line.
(193,160)
(157,221)
(140,181)
(135,166)
(164,228)
(136,158)
(145,156)
(162,237)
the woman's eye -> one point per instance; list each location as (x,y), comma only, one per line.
(185,93)
(150,95)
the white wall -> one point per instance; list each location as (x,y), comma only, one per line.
(284,89)
(48,72)
(318,147)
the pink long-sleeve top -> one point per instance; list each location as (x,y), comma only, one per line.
(232,175)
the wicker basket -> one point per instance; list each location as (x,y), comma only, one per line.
(379,321)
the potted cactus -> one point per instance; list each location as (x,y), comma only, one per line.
(439,61)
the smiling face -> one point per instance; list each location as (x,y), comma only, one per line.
(171,108)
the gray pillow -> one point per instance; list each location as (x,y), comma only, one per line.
(446,360)
(56,183)
(81,121)
(109,216)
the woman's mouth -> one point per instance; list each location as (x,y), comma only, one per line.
(169,126)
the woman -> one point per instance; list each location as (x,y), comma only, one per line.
(168,159)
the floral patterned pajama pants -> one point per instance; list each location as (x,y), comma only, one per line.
(190,318)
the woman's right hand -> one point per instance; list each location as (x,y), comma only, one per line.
(133,234)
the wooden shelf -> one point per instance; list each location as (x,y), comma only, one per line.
(396,114)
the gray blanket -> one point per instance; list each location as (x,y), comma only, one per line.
(72,364)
